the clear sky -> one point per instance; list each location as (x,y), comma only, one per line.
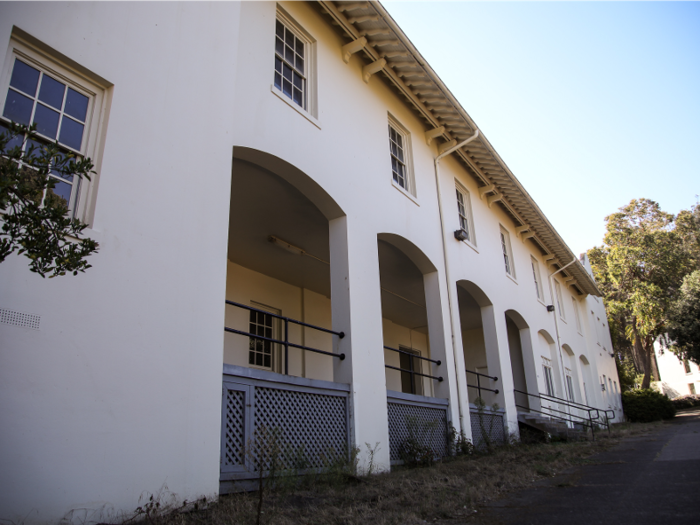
(590,104)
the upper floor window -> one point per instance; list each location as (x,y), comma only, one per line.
(464,210)
(560,302)
(400,152)
(290,76)
(295,66)
(507,253)
(65,107)
(537,278)
(686,364)
(577,315)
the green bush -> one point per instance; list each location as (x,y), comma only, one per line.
(689,401)
(643,406)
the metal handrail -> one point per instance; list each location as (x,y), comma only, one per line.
(478,386)
(285,342)
(410,364)
(589,421)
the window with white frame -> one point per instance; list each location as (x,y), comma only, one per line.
(64,105)
(507,253)
(464,210)
(560,302)
(262,353)
(410,362)
(400,152)
(686,365)
(570,385)
(537,278)
(548,380)
(577,315)
(295,63)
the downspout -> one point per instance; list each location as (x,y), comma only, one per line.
(447,267)
(556,326)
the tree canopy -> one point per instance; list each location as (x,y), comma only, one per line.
(35,220)
(684,320)
(640,268)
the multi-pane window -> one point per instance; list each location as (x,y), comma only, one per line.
(464,211)
(577,315)
(536,277)
(570,386)
(560,303)
(398,157)
(686,364)
(261,351)
(58,109)
(290,76)
(507,258)
(548,381)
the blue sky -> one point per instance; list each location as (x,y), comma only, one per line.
(590,104)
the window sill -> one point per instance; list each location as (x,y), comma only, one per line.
(284,98)
(472,246)
(405,193)
(511,278)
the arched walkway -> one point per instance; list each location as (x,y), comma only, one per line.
(521,359)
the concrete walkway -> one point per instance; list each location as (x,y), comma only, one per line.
(651,479)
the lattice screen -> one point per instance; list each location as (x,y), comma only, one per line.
(428,426)
(234,434)
(310,429)
(489,424)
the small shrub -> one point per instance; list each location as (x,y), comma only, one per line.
(688,401)
(644,406)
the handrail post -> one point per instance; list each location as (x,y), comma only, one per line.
(590,418)
(478,386)
(286,346)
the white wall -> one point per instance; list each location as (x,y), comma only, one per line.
(675,380)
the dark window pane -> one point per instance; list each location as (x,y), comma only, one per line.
(287,72)
(59,195)
(258,359)
(14,141)
(297,97)
(279,29)
(299,46)
(18,107)
(289,39)
(67,165)
(298,82)
(46,121)
(279,46)
(76,105)
(289,55)
(300,64)
(287,88)
(267,361)
(71,133)
(278,81)
(252,316)
(24,78)
(52,92)
(278,64)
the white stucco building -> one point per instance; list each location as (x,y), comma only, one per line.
(677,377)
(299,159)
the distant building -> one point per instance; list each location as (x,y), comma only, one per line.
(678,377)
(303,162)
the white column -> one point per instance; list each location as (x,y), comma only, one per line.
(498,359)
(357,311)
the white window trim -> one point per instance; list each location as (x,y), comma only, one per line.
(505,241)
(409,192)
(276,356)
(577,316)
(44,58)
(537,276)
(469,216)
(310,112)
(560,301)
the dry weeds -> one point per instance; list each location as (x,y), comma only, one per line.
(449,491)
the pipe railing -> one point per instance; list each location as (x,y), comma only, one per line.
(478,386)
(285,342)
(410,369)
(590,420)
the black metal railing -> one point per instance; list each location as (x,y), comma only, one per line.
(285,342)
(478,386)
(410,369)
(591,419)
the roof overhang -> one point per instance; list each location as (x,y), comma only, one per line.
(370,30)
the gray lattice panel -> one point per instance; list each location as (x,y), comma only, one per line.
(234,433)
(429,427)
(309,428)
(487,424)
